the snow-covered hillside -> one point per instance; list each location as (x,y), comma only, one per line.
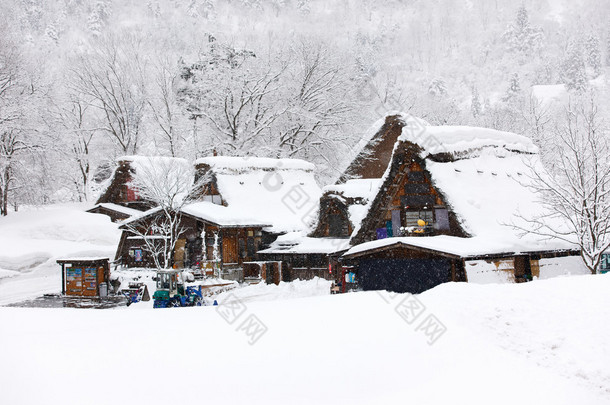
(539,343)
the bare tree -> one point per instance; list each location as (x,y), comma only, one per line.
(112,76)
(536,116)
(576,193)
(318,105)
(248,107)
(17,91)
(164,107)
(165,183)
(74,120)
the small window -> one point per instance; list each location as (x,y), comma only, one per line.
(412,217)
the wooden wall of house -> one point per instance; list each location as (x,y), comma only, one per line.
(130,257)
(408,185)
(333,220)
(302,266)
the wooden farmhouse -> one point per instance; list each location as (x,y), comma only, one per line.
(450,205)
(418,206)
(238,206)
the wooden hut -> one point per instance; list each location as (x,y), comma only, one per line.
(85,277)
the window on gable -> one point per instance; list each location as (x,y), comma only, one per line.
(412,217)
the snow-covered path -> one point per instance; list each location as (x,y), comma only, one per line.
(543,343)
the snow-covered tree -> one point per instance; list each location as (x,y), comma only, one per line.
(573,68)
(521,36)
(101,12)
(437,87)
(112,77)
(475,104)
(593,55)
(76,126)
(170,122)
(165,183)
(577,191)
(608,49)
(18,93)
(513,92)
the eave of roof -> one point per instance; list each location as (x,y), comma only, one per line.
(429,245)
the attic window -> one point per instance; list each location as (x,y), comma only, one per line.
(412,217)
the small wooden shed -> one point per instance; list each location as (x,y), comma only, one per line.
(85,277)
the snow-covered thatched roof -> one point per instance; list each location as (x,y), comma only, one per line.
(484,177)
(282,193)
(222,216)
(152,169)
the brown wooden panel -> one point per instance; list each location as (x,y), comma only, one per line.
(179,253)
(229,249)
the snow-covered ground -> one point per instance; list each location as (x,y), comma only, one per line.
(32,239)
(543,342)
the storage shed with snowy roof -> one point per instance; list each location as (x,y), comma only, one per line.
(85,276)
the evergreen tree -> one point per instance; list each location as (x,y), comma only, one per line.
(475,106)
(573,69)
(52,32)
(98,19)
(608,49)
(154,8)
(594,57)
(521,36)
(437,87)
(514,88)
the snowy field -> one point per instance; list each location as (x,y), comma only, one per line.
(540,343)
(32,239)
(543,342)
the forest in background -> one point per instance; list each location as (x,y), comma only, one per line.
(84,82)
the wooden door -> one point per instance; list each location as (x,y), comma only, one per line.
(179,253)
(229,249)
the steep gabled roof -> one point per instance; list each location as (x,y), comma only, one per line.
(279,192)
(481,175)
(127,166)
(374,152)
